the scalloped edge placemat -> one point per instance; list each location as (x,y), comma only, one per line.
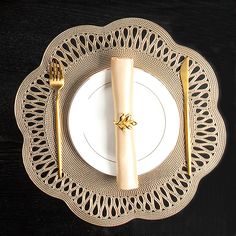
(91,195)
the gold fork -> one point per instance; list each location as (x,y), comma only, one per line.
(56,81)
(184,78)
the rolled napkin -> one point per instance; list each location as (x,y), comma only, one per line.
(122,89)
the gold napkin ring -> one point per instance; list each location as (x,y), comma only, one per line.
(125,122)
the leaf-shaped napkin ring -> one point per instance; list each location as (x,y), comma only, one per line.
(125,122)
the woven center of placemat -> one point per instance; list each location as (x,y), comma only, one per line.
(92,195)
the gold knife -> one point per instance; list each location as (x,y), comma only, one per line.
(184,76)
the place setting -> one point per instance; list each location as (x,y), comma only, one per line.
(120,122)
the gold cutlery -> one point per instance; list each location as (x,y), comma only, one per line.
(56,81)
(184,76)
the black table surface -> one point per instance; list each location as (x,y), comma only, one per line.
(27,27)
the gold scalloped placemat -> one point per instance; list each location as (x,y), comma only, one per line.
(94,196)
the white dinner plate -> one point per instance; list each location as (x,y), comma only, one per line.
(91,127)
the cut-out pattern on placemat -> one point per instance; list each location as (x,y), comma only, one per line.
(93,196)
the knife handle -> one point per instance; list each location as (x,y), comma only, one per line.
(122,89)
(187,131)
(184,75)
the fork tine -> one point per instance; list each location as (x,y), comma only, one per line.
(58,75)
(60,70)
(54,70)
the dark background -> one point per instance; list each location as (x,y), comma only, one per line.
(27,27)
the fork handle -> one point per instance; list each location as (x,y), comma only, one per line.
(58,133)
